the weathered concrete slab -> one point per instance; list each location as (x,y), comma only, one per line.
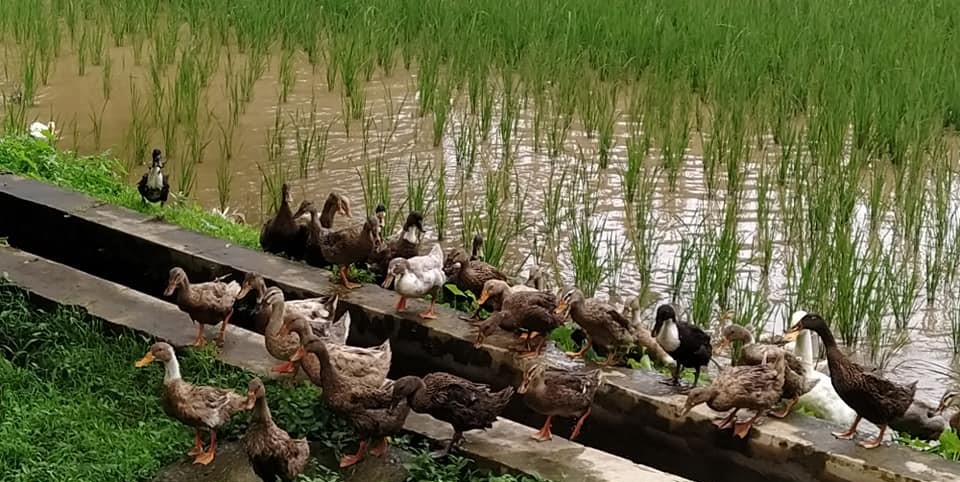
(231,465)
(505,448)
(633,416)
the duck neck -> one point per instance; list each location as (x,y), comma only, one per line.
(276,318)
(330,378)
(834,355)
(261,411)
(329,211)
(284,212)
(669,336)
(410,234)
(171,370)
(803,348)
(577,308)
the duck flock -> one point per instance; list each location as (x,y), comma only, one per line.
(304,335)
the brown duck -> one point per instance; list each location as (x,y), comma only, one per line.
(873,397)
(529,312)
(272,453)
(463,404)
(469,274)
(752,387)
(318,224)
(207,303)
(349,245)
(370,410)
(281,234)
(557,393)
(200,407)
(795,383)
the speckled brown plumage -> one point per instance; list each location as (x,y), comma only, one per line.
(463,404)
(270,450)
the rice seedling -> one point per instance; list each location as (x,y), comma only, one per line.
(287,74)
(224,170)
(441,209)
(96,122)
(419,176)
(138,132)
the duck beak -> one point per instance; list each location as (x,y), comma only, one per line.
(146,360)
(284,330)
(483,297)
(561,307)
(724,343)
(345,210)
(792,333)
(388,282)
(523,387)
(243,292)
(170,289)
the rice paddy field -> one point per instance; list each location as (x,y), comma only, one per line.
(744,156)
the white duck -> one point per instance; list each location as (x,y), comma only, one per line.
(823,397)
(39,130)
(416,277)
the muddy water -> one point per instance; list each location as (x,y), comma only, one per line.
(74,102)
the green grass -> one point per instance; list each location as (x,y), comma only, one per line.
(75,408)
(102,178)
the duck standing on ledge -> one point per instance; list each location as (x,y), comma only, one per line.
(207,303)
(874,398)
(687,344)
(463,404)
(154,186)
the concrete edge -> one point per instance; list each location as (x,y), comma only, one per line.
(506,446)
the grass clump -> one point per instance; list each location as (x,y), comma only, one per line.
(103,178)
(75,408)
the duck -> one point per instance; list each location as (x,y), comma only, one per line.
(154,185)
(871,396)
(463,404)
(476,248)
(604,325)
(207,303)
(349,245)
(197,406)
(495,291)
(632,310)
(823,398)
(39,130)
(371,410)
(404,245)
(250,308)
(688,344)
(282,346)
(557,393)
(367,366)
(281,234)
(417,277)
(535,279)
(315,224)
(529,312)
(272,453)
(951,398)
(469,274)
(752,387)
(795,384)
(381,213)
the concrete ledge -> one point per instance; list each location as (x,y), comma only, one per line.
(633,416)
(505,447)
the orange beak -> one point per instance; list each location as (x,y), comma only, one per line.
(483,297)
(561,307)
(146,360)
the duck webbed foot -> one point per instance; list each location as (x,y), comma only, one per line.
(544,433)
(786,409)
(455,441)
(870,444)
(849,434)
(579,354)
(348,460)
(726,422)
